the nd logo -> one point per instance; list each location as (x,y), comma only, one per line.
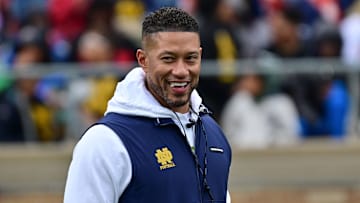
(164,158)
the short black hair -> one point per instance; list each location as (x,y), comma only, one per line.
(169,19)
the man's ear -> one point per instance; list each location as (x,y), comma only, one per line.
(141,58)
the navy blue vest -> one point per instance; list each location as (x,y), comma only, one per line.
(164,169)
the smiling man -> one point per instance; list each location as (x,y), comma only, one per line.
(171,61)
(157,141)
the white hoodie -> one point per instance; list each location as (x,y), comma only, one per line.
(101,168)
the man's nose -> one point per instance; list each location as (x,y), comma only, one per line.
(180,69)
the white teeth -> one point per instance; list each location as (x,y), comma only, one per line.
(178,84)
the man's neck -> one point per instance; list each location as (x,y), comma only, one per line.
(181,109)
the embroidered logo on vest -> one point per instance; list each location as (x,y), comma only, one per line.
(164,158)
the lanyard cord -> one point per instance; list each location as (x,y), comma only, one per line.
(197,162)
(205,172)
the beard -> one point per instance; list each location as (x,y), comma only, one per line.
(163,95)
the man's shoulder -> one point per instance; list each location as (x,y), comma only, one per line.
(120,118)
(96,137)
(98,132)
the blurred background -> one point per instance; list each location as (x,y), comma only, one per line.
(280,76)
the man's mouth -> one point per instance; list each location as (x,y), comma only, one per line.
(178,84)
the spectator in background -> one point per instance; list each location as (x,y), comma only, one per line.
(11,127)
(68,20)
(127,18)
(252,25)
(14,17)
(38,114)
(218,18)
(98,43)
(242,119)
(283,119)
(88,95)
(286,39)
(350,32)
(287,43)
(320,101)
(101,19)
(327,94)
(252,120)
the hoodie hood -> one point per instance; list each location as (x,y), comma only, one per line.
(131,97)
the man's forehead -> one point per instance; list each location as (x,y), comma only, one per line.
(153,38)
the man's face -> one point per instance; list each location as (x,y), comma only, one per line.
(171,61)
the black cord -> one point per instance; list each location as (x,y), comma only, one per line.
(197,162)
(205,172)
(206,185)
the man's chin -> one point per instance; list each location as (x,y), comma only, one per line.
(177,103)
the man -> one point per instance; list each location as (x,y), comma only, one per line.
(170,149)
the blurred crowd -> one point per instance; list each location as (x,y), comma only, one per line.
(255,110)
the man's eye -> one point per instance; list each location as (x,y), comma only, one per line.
(192,58)
(167,59)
